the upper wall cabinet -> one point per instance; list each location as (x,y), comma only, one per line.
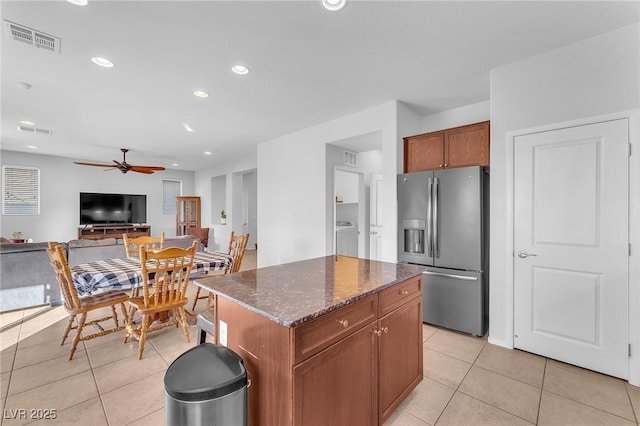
(457,147)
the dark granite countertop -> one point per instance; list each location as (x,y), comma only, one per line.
(293,293)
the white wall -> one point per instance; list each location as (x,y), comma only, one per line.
(462,116)
(219,234)
(292,184)
(590,78)
(61,182)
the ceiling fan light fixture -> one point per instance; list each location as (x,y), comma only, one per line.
(333,5)
(103,62)
(240,69)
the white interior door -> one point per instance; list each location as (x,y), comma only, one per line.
(571,249)
(375,218)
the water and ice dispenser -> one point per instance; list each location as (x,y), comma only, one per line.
(414,235)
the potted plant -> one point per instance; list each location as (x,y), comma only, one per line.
(17,237)
(223,217)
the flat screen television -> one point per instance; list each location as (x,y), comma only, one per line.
(112,209)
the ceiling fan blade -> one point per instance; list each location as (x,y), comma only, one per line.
(123,166)
(156,168)
(94,164)
(141,169)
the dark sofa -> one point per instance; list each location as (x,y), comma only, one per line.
(27,279)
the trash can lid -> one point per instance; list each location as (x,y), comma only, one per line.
(205,372)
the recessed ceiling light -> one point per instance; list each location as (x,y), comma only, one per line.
(207,153)
(175,164)
(103,62)
(27,123)
(32,147)
(187,127)
(79,2)
(201,93)
(333,5)
(240,69)
(25,86)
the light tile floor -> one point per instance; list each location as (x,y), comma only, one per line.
(467,380)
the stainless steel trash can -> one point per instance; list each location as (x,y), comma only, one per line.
(206,385)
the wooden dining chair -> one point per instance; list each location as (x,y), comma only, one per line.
(237,246)
(78,307)
(165,279)
(132,245)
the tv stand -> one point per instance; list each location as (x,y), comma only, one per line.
(112,231)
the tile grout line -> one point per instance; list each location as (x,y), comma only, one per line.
(544,377)
(456,390)
(13,361)
(496,407)
(633,409)
(591,406)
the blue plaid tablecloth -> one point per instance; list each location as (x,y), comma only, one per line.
(125,274)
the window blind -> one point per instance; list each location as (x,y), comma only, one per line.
(20,190)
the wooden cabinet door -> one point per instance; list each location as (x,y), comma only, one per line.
(339,385)
(467,146)
(187,214)
(424,152)
(400,355)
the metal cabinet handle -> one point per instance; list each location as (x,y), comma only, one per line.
(404,292)
(523,254)
(344,323)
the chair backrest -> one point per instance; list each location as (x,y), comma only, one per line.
(133,245)
(169,269)
(201,234)
(63,274)
(237,245)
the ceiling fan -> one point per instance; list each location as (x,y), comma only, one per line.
(123,166)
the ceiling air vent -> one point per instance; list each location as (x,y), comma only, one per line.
(33,37)
(350,158)
(35,130)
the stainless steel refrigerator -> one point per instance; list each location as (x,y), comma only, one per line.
(443,224)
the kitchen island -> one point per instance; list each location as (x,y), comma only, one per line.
(334,340)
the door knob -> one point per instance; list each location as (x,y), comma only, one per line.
(523,254)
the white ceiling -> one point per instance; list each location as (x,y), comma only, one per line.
(307,66)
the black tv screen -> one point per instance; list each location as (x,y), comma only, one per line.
(112,209)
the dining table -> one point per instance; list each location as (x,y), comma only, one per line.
(126,273)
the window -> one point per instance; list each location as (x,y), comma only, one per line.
(20,190)
(170,190)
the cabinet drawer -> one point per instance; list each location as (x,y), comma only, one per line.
(318,334)
(399,294)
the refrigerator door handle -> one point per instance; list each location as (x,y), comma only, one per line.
(436,242)
(458,277)
(429,218)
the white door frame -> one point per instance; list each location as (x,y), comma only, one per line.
(634,230)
